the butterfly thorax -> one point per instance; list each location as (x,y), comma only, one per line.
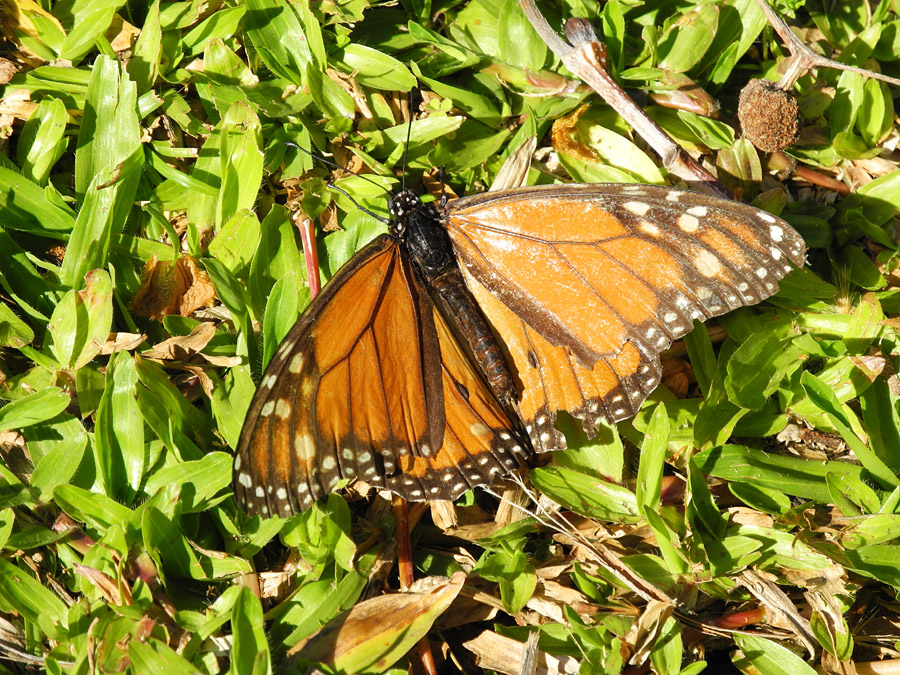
(417,226)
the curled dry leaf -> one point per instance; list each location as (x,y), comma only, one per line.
(741,515)
(680,92)
(177,287)
(348,84)
(115,591)
(17,20)
(780,610)
(564,136)
(118,342)
(678,376)
(546,608)
(121,34)
(182,347)
(505,655)
(377,632)
(436,186)
(514,172)
(7,70)
(444,515)
(645,633)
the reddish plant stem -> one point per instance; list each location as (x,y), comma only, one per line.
(310,252)
(405,571)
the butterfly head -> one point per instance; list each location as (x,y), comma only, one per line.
(401,206)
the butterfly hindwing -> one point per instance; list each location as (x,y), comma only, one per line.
(587,284)
(370,383)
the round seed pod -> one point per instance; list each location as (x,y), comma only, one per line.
(768,115)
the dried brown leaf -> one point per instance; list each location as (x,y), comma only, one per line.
(178,287)
(377,632)
(564,135)
(118,342)
(182,347)
(116,592)
(514,172)
(780,611)
(505,655)
(121,34)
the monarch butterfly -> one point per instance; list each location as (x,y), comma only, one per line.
(443,349)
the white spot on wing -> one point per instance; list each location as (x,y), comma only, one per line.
(707,264)
(637,208)
(304,447)
(649,228)
(688,223)
(282,408)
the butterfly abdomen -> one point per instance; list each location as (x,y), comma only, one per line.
(456,301)
(428,245)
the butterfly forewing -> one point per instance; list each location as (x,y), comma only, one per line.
(370,384)
(591,282)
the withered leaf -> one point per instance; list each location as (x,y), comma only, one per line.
(173,287)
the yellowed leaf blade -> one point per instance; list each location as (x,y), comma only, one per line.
(376,633)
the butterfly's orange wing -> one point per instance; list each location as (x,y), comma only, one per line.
(587,284)
(370,383)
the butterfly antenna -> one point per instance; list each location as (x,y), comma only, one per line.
(380,219)
(409,104)
(443,189)
(335,165)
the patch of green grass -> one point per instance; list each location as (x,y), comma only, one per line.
(763,474)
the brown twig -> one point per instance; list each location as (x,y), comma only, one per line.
(803,58)
(587,60)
